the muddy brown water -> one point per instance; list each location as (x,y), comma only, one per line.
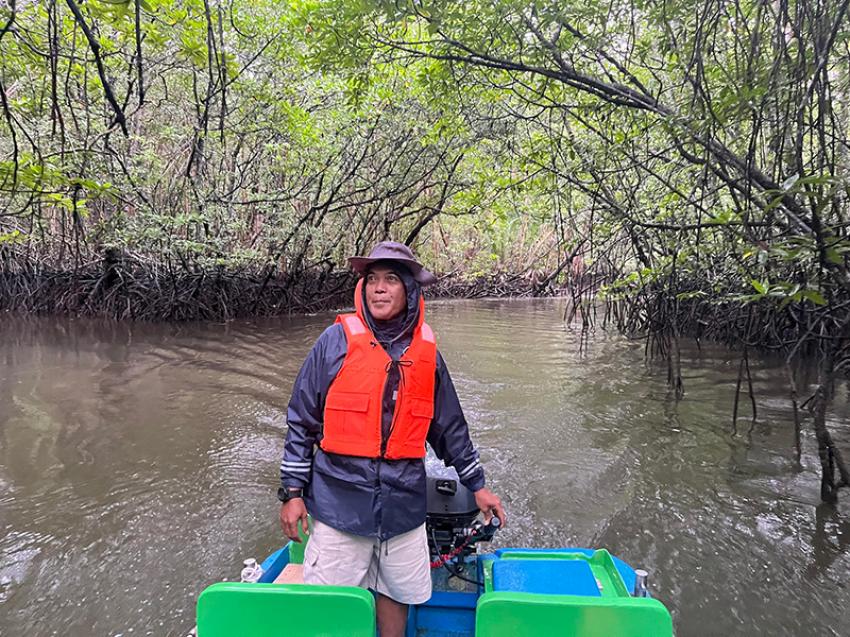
(138,464)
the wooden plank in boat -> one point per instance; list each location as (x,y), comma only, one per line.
(291,574)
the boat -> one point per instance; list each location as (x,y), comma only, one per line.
(509,592)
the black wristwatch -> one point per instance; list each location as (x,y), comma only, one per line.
(286,494)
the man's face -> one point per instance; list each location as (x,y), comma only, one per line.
(386,297)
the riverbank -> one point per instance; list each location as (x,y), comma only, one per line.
(139,292)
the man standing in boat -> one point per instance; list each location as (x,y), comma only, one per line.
(370,394)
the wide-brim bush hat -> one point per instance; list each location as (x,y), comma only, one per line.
(393,251)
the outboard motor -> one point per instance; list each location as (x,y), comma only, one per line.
(452,516)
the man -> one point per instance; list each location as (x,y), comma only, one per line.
(371,392)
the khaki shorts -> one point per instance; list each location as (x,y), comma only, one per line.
(398,568)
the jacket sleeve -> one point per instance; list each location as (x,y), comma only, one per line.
(304,415)
(449,433)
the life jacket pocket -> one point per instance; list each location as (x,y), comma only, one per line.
(421,414)
(345,414)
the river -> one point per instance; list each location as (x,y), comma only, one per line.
(138,464)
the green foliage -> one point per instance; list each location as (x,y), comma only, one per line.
(687,149)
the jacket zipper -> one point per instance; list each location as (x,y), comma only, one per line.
(385,440)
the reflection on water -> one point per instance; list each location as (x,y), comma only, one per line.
(139,464)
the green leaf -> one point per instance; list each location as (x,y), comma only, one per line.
(814,296)
(788,183)
(15,236)
(760,287)
(834,256)
(693,294)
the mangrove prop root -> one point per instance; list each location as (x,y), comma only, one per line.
(137,291)
(658,314)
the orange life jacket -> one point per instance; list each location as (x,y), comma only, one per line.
(352,420)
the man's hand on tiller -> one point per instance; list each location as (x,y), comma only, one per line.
(490,504)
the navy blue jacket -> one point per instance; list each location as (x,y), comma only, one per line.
(368,496)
